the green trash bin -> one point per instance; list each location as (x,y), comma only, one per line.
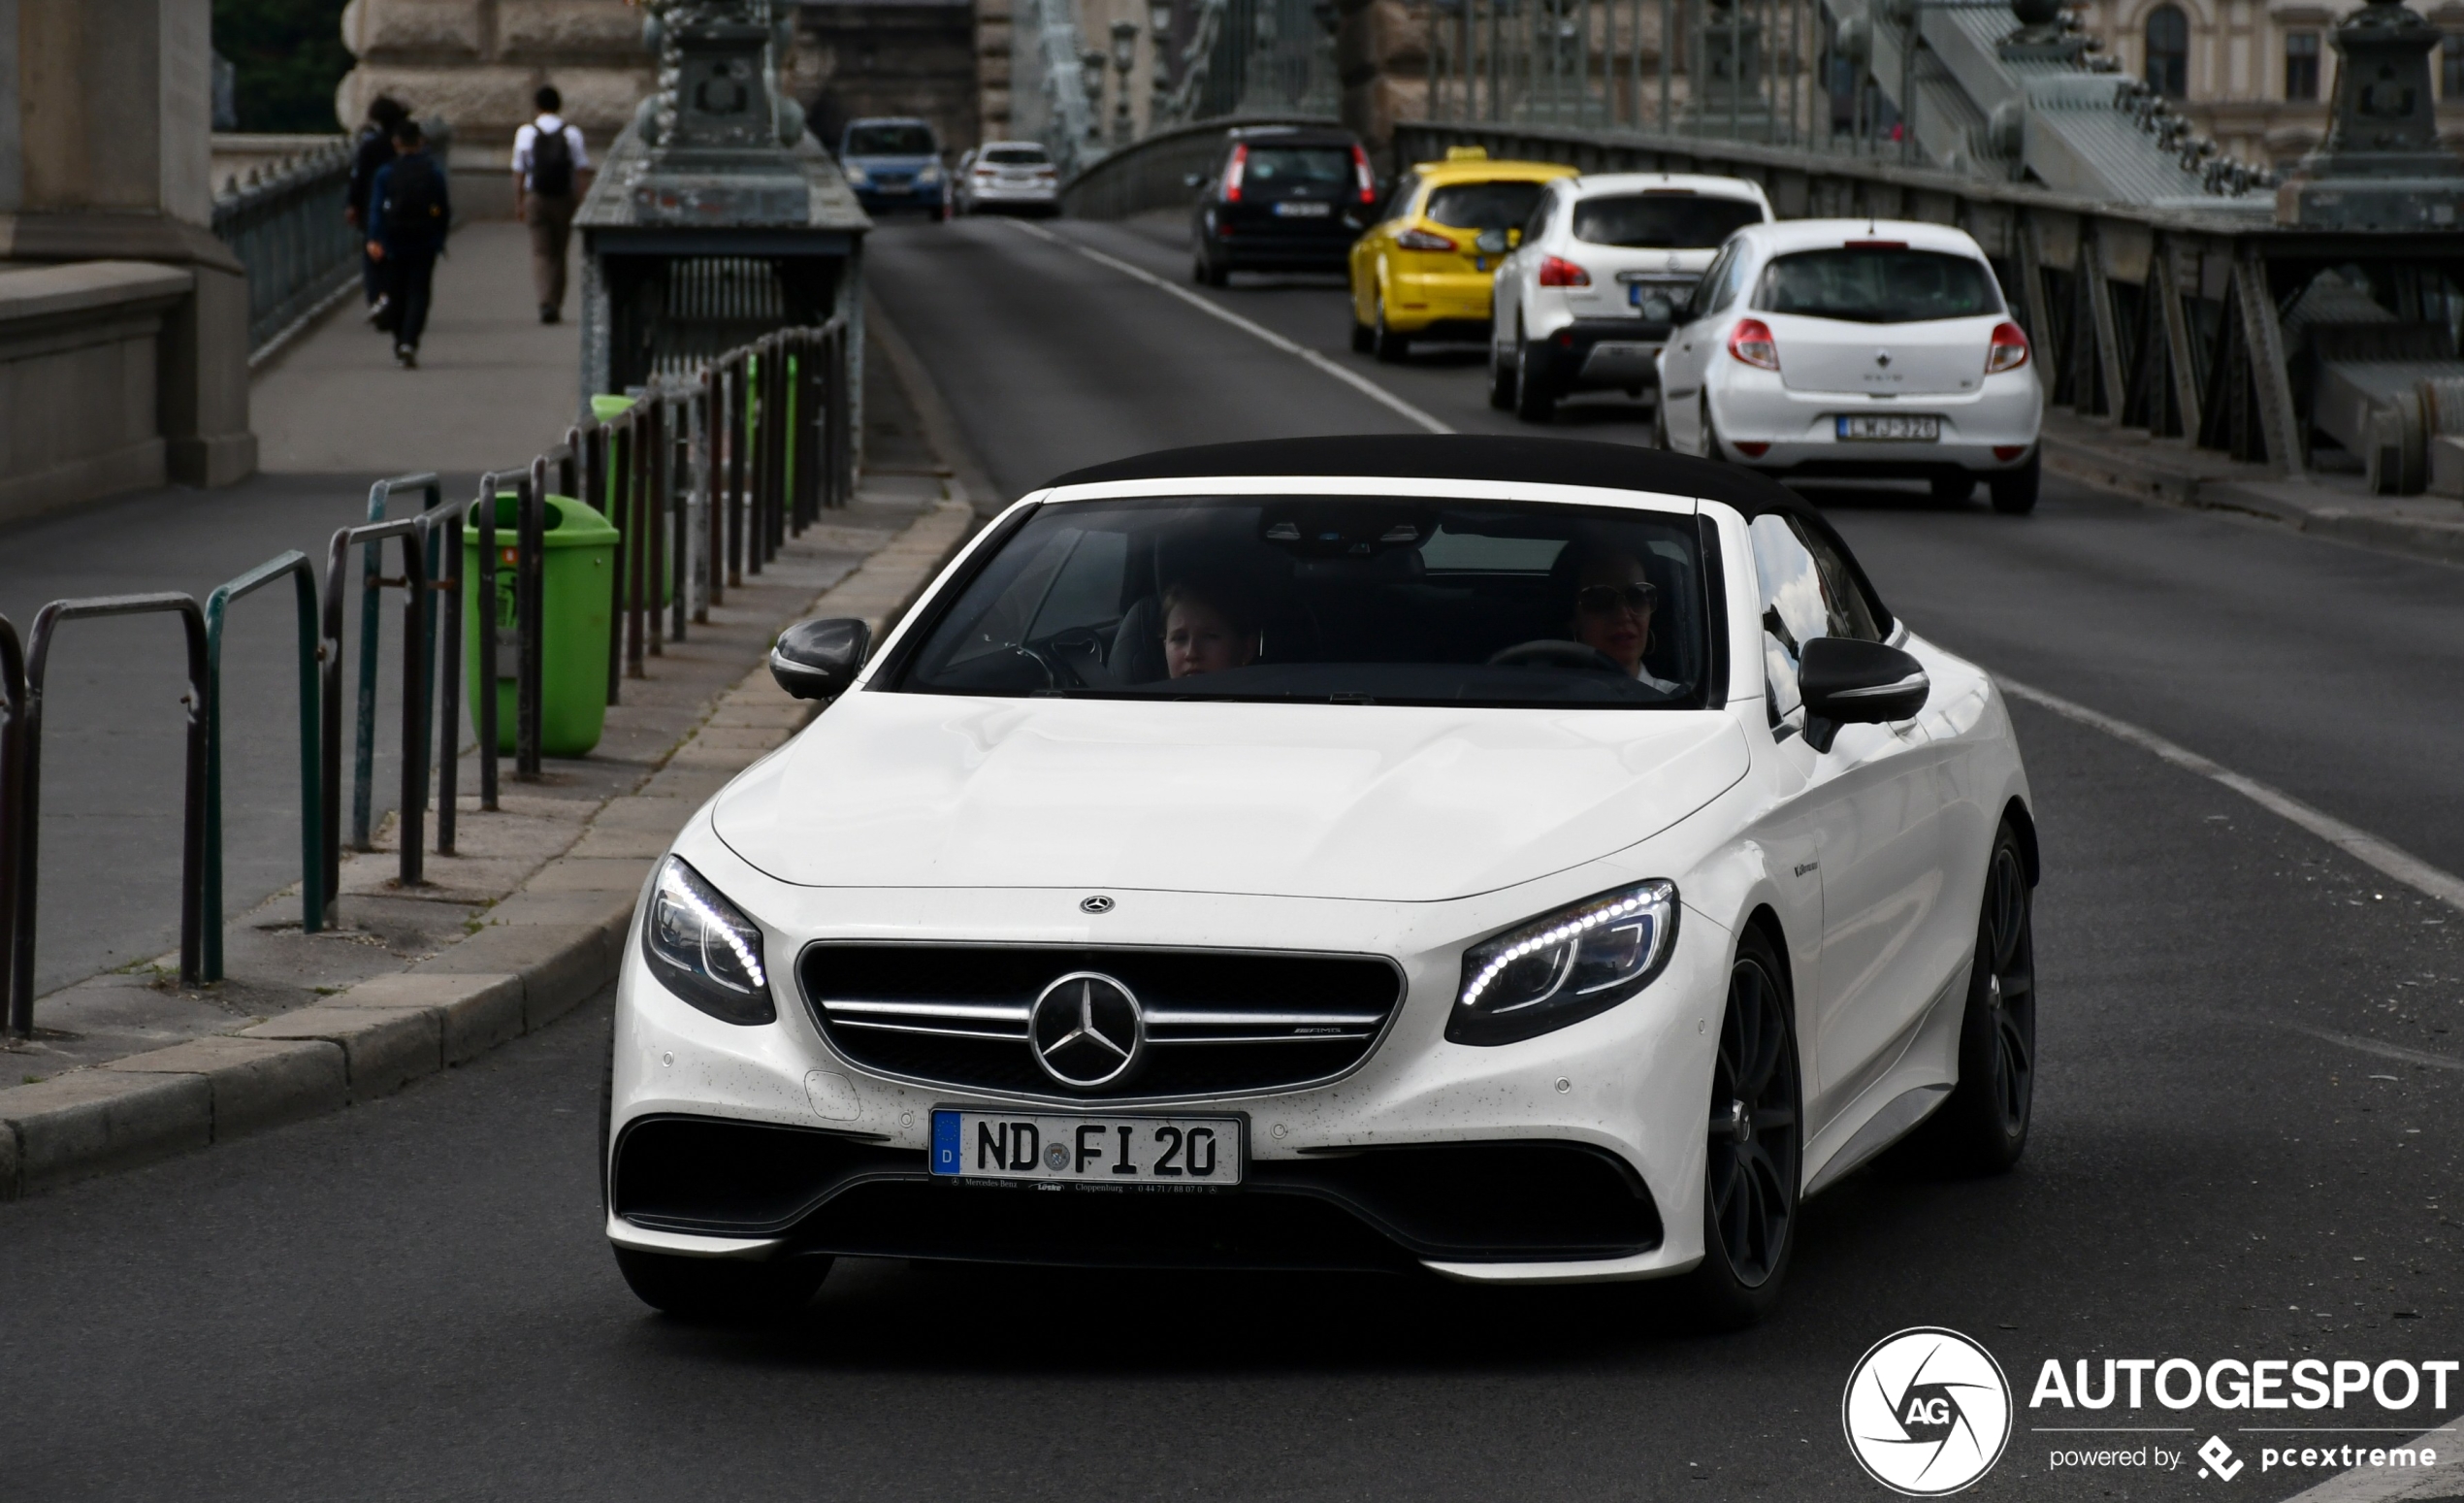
(578,592)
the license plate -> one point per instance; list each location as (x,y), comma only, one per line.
(1896,427)
(1128,1152)
(1294,209)
(897,188)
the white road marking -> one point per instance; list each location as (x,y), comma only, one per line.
(1214,310)
(2362,846)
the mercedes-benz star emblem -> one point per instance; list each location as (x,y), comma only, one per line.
(1087,1031)
(1099,903)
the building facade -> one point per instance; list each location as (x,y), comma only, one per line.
(2255,75)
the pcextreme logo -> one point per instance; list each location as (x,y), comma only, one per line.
(1927,1412)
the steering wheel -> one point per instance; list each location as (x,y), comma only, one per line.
(1080,651)
(1043,665)
(1550,652)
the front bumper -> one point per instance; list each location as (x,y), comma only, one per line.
(1410,1160)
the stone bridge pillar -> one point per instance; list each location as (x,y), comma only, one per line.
(106,107)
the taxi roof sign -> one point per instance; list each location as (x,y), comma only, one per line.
(1467,153)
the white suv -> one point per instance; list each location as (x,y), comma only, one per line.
(1584,303)
(1858,348)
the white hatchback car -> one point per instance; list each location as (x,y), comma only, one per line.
(1532,862)
(1586,299)
(1018,175)
(1856,347)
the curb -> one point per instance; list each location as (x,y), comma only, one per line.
(2118,469)
(544,951)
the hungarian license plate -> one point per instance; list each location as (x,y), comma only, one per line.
(1296,208)
(1896,428)
(1177,1151)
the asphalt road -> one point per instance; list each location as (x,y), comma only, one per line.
(413,1299)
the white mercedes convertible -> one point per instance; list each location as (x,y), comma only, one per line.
(1527,861)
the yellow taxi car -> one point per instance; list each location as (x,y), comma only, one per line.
(1424,269)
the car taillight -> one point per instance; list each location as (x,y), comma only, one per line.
(2008,351)
(1368,179)
(1233,172)
(1750,343)
(1749,450)
(2006,452)
(1422,239)
(1557,272)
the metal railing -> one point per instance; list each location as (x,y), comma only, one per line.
(707,476)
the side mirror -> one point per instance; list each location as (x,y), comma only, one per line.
(1490,243)
(1844,681)
(817,659)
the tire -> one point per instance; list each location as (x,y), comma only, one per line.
(1385,344)
(1364,338)
(1212,272)
(1534,402)
(1951,492)
(1660,424)
(1710,435)
(725,1291)
(1501,380)
(1983,1127)
(1754,1169)
(2015,490)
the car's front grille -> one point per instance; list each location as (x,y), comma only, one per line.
(1215,1022)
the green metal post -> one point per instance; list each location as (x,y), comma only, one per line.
(311,807)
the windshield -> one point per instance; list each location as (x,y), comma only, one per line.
(1280,171)
(1879,285)
(1483,206)
(1017,156)
(1659,222)
(1330,600)
(889,140)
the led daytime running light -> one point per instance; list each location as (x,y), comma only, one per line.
(673,886)
(1547,940)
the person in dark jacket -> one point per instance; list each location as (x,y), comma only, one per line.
(408,213)
(373,148)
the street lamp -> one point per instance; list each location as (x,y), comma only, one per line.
(1159,30)
(1124,58)
(1091,69)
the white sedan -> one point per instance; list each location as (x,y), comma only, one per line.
(1587,298)
(1018,175)
(1528,862)
(1856,347)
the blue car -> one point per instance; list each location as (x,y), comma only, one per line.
(894,163)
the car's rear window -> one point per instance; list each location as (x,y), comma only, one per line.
(1017,156)
(1879,285)
(889,140)
(1329,599)
(1662,220)
(1483,206)
(1275,171)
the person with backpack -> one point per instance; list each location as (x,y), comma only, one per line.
(548,161)
(370,151)
(408,213)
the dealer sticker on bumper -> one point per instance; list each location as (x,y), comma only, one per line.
(1178,1152)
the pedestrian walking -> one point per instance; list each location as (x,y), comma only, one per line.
(409,215)
(548,161)
(370,153)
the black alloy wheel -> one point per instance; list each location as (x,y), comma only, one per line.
(1753,1170)
(1533,401)
(1983,1127)
(1385,343)
(2013,491)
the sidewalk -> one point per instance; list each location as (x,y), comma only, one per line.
(2172,473)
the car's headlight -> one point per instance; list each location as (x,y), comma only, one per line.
(703,949)
(1566,966)
(928,175)
(858,176)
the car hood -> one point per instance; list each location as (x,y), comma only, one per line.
(1385,803)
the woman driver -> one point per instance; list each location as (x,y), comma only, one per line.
(1613,602)
(1206,628)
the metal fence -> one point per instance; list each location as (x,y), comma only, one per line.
(705,476)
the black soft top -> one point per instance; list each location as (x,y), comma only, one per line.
(1465,457)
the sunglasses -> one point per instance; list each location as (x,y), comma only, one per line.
(1600,600)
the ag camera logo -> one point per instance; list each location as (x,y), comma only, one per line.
(1927,1412)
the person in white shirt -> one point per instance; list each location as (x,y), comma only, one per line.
(548,164)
